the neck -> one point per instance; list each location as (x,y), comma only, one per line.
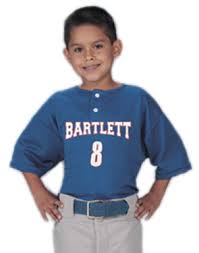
(105,84)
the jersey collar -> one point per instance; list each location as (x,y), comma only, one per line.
(101,91)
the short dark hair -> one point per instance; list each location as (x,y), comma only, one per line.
(92,15)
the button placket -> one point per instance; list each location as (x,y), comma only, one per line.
(95,101)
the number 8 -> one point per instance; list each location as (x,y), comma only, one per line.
(96,156)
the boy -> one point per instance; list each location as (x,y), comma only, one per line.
(103,130)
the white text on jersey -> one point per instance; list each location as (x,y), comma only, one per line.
(97,127)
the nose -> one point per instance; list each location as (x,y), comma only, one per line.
(89,54)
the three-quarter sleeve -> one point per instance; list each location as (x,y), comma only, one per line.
(164,146)
(39,147)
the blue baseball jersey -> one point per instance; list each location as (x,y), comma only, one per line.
(102,137)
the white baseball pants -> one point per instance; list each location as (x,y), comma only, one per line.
(76,233)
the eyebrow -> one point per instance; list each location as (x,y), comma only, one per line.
(78,44)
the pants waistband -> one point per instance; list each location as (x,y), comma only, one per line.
(68,201)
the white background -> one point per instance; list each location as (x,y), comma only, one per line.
(160,54)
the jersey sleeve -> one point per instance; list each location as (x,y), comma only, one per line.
(39,147)
(164,146)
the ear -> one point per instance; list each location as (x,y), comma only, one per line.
(117,47)
(66,54)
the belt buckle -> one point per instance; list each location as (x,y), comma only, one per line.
(87,209)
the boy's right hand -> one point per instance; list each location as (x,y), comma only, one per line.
(47,202)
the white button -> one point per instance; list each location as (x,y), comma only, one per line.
(97,95)
(95,109)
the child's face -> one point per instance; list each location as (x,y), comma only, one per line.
(90,52)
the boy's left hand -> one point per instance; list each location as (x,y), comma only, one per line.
(147,204)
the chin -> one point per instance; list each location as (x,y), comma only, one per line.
(92,78)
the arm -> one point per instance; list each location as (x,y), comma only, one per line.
(165,150)
(38,149)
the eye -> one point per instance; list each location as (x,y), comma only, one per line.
(98,46)
(77,50)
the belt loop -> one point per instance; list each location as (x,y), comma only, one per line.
(132,199)
(68,201)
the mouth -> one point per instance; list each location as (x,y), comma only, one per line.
(92,67)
